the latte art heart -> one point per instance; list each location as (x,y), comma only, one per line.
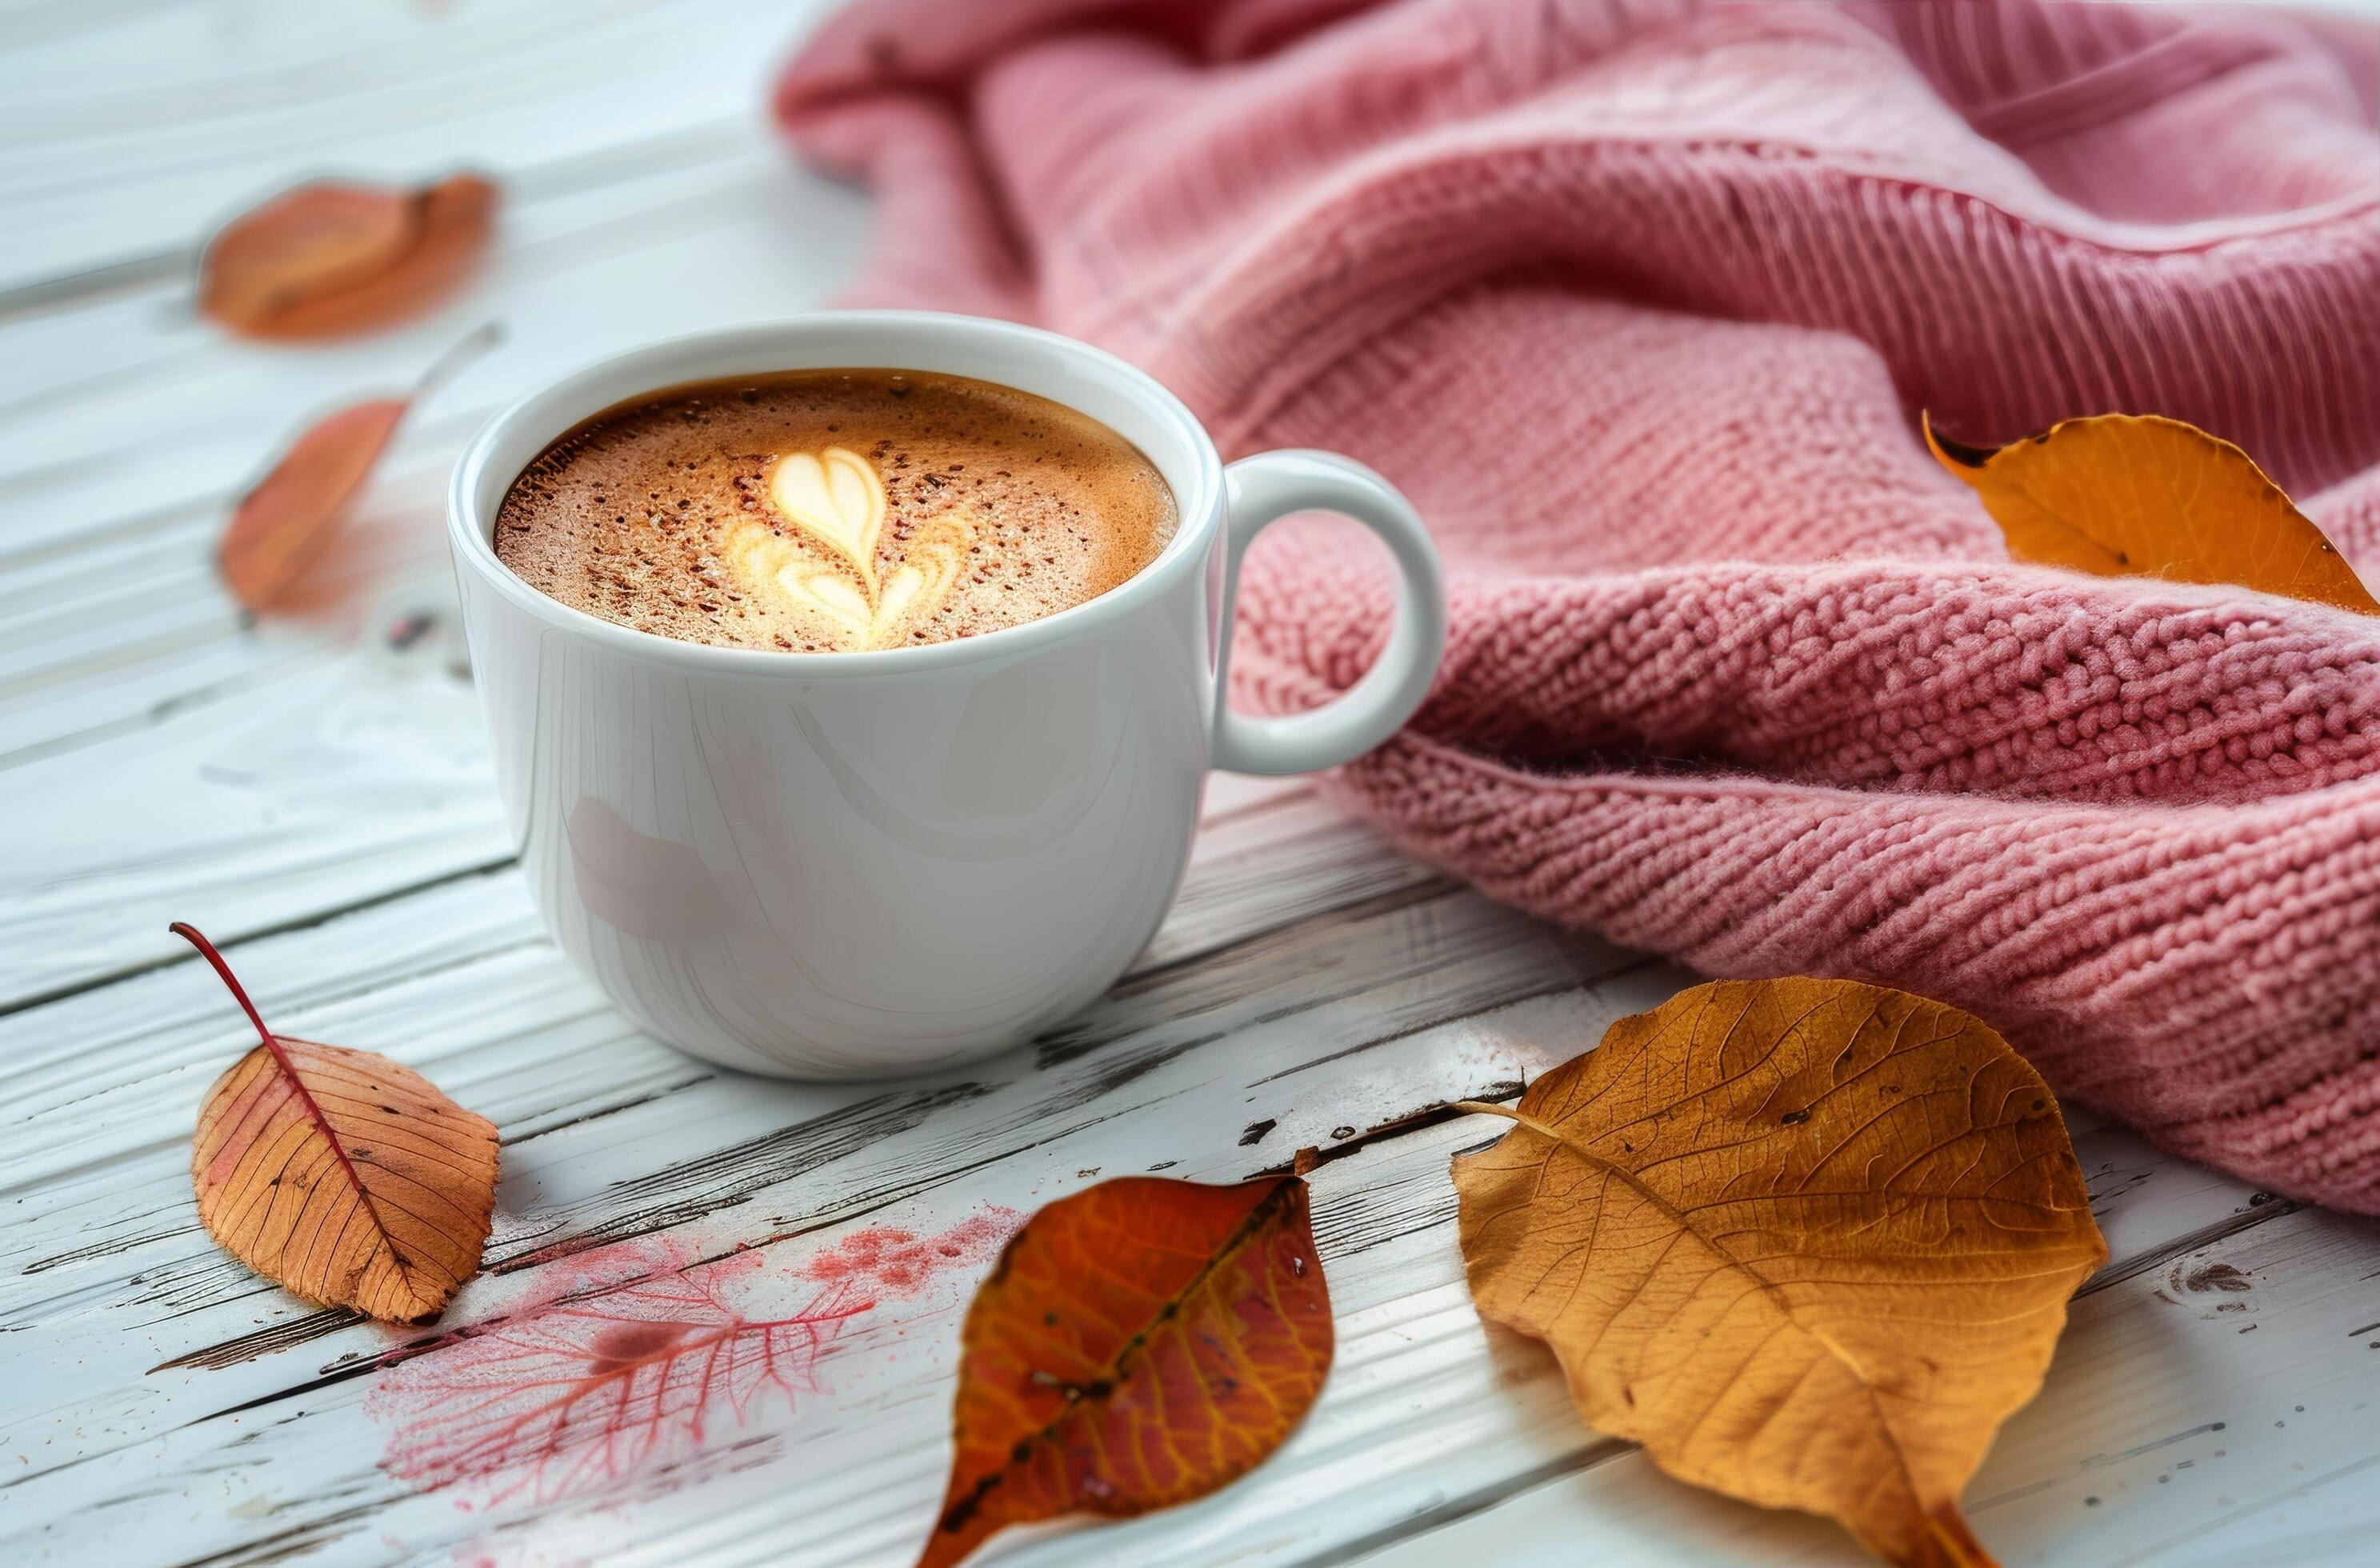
(850,611)
(835,511)
(835,498)
(834,501)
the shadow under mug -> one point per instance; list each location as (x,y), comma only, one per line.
(861,865)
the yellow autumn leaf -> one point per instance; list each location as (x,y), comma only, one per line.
(1810,1242)
(2138,495)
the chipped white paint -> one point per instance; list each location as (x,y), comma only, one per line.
(323,799)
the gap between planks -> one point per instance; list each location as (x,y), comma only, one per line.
(1285,798)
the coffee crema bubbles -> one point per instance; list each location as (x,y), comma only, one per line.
(833,511)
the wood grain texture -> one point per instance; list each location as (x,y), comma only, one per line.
(322,796)
(133,130)
(131,686)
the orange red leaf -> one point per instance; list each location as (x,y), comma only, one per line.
(283,525)
(1137,1345)
(331,258)
(341,1175)
(287,521)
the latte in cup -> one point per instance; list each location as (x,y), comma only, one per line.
(857,864)
(833,511)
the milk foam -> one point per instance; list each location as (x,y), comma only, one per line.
(835,511)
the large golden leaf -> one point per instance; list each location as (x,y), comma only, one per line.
(340,1174)
(2126,495)
(1809,1242)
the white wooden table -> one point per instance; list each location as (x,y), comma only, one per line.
(320,801)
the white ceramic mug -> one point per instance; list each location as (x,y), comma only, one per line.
(857,865)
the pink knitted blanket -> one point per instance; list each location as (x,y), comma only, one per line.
(1638,300)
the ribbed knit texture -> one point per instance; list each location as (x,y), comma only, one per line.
(1637,300)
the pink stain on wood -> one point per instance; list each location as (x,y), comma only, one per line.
(631,1357)
(894,1262)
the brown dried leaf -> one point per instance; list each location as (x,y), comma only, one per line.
(2125,495)
(1810,1242)
(341,1175)
(283,525)
(329,259)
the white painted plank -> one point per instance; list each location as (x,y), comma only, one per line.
(368,773)
(156,760)
(440,977)
(333,786)
(166,761)
(1430,1420)
(126,130)
(2176,1426)
(128,410)
(1145,1075)
(457,982)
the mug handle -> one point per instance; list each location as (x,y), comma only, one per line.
(1267,487)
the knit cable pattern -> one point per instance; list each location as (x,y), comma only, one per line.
(1638,300)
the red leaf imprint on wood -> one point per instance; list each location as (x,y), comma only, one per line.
(633,1356)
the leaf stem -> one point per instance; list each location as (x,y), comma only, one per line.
(197,939)
(473,344)
(1481,1107)
(273,1049)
